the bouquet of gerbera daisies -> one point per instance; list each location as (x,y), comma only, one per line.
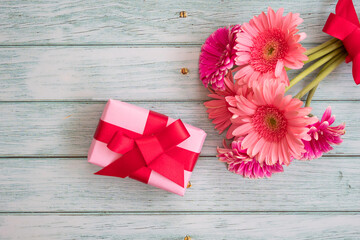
(245,68)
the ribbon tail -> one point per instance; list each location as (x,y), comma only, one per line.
(141,175)
(125,165)
(111,170)
(356,69)
(169,168)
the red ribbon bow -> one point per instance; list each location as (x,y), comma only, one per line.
(344,25)
(155,149)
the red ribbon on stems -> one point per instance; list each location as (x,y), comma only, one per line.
(345,26)
(155,149)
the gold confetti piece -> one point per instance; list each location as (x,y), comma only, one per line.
(184,71)
(183,14)
(189,185)
(68,116)
(187,237)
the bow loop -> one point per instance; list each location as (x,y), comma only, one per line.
(346,9)
(344,25)
(120,143)
(173,134)
(338,26)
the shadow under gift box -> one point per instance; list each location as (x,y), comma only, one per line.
(134,118)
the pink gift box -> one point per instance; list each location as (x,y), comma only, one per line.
(134,119)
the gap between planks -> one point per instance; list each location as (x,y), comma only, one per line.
(127,45)
(82,157)
(96,101)
(96,213)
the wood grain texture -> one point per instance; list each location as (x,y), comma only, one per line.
(69,185)
(130,74)
(100,73)
(141,22)
(61,60)
(176,227)
(66,128)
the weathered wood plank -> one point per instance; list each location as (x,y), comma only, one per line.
(210,227)
(148,73)
(131,74)
(93,73)
(66,128)
(119,22)
(58,185)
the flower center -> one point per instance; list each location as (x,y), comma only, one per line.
(270,123)
(269,46)
(271,50)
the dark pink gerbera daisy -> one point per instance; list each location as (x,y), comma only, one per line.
(241,163)
(217,57)
(322,136)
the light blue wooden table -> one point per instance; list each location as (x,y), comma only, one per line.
(59,63)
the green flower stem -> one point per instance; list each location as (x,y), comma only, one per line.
(321,76)
(321,46)
(332,60)
(312,91)
(325,48)
(324,51)
(316,65)
(310,96)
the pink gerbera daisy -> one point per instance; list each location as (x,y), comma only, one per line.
(217,57)
(268,43)
(218,107)
(322,136)
(241,163)
(272,124)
